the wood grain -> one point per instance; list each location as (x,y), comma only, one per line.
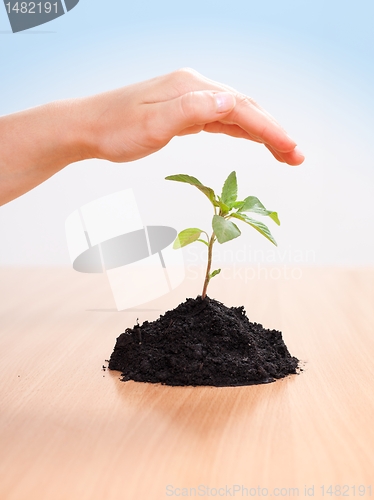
(69,430)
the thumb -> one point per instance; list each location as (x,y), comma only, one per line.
(195,108)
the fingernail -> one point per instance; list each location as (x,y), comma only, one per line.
(290,139)
(299,152)
(225,101)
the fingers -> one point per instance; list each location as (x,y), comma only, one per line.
(276,155)
(259,125)
(232,130)
(192,111)
(249,115)
(293,158)
(193,103)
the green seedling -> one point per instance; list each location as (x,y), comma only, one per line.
(225,207)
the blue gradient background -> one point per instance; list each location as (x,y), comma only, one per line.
(309,63)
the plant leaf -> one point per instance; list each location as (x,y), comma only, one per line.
(188,179)
(230,190)
(186,237)
(253,204)
(214,273)
(238,204)
(203,241)
(224,229)
(259,226)
(223,207)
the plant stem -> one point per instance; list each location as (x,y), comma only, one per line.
(207,275)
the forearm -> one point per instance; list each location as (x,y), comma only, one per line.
(37,143)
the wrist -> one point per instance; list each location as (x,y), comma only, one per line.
(70,133)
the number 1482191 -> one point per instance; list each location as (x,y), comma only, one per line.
(32,7)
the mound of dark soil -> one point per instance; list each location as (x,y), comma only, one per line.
(202,342)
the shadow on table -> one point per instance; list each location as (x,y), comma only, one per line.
(196,409)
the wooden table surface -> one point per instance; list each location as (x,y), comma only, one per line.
(69,430)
